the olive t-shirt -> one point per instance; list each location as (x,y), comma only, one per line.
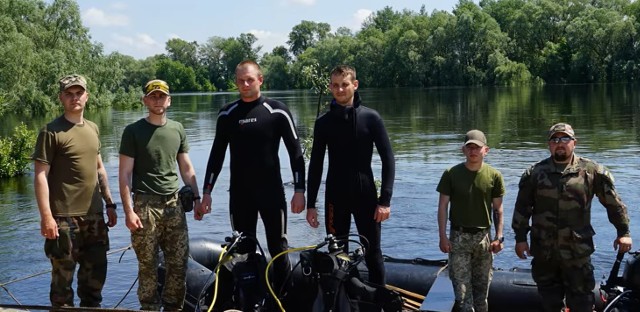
(155,150)
(471,194)
(71,151)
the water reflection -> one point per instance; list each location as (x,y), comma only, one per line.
(425,126)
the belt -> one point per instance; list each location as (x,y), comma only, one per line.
(469,230)
(158,196)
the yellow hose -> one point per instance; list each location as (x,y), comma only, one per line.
(266,272)
(215,287)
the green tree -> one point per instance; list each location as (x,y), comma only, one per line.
(15,152)
(597,37)
(221,56)
(180,77)
(305,35)
(282,52)
(276,72)
(184,52)
(507,72)
(211,55)
(41,42)
(476,35)
(327,53)
(383,20)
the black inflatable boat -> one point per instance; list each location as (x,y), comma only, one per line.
(423,285)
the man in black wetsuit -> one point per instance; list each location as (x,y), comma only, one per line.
(349,130)
(252,127)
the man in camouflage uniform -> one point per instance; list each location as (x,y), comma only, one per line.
(556,194)
(475,190)
(148,153)
(68,189)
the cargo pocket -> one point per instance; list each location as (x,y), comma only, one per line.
(582,242)
(59,248)
(93,232)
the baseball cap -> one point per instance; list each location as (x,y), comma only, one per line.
(156,85)
(476,137)
(562,128)
(69,81)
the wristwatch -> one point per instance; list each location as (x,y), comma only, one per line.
(500,239)
(114,206)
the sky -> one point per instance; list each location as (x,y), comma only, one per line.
(140,28)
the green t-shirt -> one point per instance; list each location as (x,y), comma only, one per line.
(155,150)
(71,151)
(471,194)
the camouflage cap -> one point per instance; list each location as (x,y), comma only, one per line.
(562,128)
(476,137)
(69,81)
(156,85)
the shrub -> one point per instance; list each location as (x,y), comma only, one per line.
(15,152)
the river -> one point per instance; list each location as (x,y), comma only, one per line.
(425,127)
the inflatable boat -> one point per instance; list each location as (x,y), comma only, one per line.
(421,285)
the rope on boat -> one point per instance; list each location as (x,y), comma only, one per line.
(410,300)
(419,261)
(21,306)
(50,308)
(405,292)
(49,270)
(11,295)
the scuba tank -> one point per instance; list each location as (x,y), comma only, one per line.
(246,278)
(338,288)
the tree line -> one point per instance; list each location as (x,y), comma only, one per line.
(494,42)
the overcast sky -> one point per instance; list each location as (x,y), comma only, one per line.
(141,28)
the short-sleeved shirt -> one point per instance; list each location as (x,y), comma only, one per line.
(471,194)
(71,151)
(155,150)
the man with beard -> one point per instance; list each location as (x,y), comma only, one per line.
(556,194)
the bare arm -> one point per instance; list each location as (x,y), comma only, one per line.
(48,226)
(443,215)
(497,245)
(103,182)
(498,218)
(125,174)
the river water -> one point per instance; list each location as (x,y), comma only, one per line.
(425,127)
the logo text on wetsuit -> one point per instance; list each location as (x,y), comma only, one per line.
(248,120)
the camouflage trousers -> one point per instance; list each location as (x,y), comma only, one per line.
(557,278)
(470,269)
(164,228)
(84,241)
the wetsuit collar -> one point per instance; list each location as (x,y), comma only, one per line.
(256,101)
(344,110)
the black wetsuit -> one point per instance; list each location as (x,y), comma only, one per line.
(350,133)
(253,132)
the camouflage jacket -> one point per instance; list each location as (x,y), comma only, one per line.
(559,206)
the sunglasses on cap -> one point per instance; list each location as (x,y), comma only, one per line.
(563,139)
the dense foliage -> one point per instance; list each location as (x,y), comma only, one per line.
(15,152)
(494,42)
